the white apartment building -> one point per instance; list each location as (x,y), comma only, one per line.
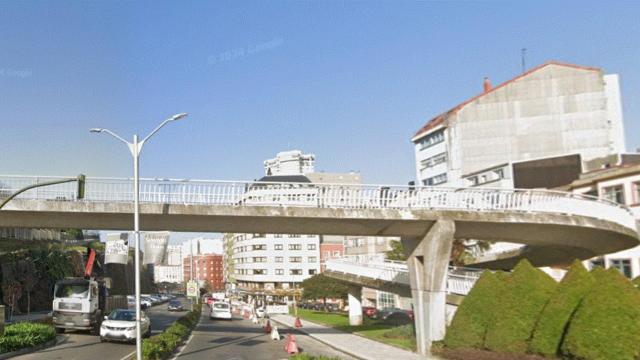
(292,162)
(275,261)
(168,273)
(174,255)
(619,183)
(553,109)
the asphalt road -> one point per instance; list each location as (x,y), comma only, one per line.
(84,346)
(239,339)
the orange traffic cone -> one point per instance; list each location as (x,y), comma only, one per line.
(298,323)
(292,347)
(267,327)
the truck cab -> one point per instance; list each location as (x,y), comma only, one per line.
(78,304)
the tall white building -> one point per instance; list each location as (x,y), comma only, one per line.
(167,273)
(553,109)
(292,162)
(174,255)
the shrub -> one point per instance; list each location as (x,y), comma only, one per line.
(160,346)
(606,325)
(477,310)
(555,317)
(527,291)
(25,335)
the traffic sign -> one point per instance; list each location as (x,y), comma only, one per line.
(192,289)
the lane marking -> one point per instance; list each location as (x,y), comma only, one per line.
(129,356)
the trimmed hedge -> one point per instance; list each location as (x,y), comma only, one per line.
(159,347)
(556,315)
(25,335)
(478,309)
(606,325)
(527,291)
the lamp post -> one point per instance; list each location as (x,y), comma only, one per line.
(135,148)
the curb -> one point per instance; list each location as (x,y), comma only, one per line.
(48,344)
(299,330)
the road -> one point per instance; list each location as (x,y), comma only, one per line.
(239,339)
(84,346)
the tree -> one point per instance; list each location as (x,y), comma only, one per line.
(397,251)
(323,287)
(462,251)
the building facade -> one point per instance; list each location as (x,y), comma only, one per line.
(551,110)
(618,183)
(292,162)
(168,273)
(207,268)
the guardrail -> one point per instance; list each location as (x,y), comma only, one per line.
(346,196)
(459,280)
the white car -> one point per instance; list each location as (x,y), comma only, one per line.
(220,310)
(260,312)
(120,325)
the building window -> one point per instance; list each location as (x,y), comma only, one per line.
(277,247)
(295,246)
(295,236)
(433,161)
(259,272)
(295,259)
(386,299)
(295,272)
(623,265)
(312,271)
(279,259)
(311,246)
(277,235)
(432,139)
(313,259)
(614,193)
(636,188)
(259,247)
(435,180)
(260,259)
(279,271)
(336,254)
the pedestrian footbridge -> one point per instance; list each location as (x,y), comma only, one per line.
(427,219)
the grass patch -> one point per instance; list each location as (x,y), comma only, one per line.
(371,328)
(25,335)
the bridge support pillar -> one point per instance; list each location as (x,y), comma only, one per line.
(428,260)
(355,305)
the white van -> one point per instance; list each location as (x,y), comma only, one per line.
(220,310)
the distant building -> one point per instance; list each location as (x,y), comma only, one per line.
(554,109)
(168,273)
(174,255)
(617,180)
(207,268)
(292,162)
(331,247)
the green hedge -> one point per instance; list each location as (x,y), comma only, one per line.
(469,326)
(527,291)
(556,315)
(25,335)
(606,325)
(160,346)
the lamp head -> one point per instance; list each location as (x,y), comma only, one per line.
(178,116)
(96,130)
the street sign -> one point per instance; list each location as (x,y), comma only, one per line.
(192,289)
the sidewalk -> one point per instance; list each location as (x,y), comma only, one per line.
(354,345)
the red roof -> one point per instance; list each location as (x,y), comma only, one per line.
(442,117)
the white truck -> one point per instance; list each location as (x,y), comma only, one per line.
(79,304)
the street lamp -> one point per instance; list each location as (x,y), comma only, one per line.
(135,148)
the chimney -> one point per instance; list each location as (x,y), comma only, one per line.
(486,84)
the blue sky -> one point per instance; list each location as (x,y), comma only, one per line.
(350,81)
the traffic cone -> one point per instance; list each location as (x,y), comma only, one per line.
(267,327)
(275,335)
(298,323)
(292,347)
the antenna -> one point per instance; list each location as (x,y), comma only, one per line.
(523,55)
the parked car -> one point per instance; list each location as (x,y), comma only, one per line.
(175,305)
(120,325)
(260,312)
(220,310)
(394,316)
(369,311)
(145,302)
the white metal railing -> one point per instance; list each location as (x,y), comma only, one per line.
(347,196)
(459,280)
